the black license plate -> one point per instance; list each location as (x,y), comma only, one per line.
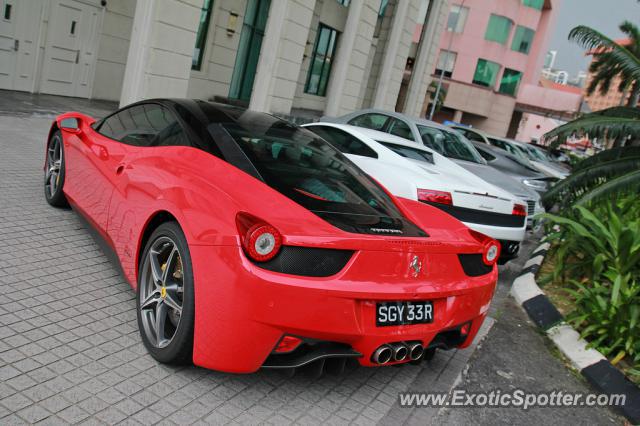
(403,313)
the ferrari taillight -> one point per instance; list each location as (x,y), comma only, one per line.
(490,247)
(519,210)
(260,241)
(433,196)
(491,252)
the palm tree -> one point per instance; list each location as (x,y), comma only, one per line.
(617,123)
(612,60)
(607,174)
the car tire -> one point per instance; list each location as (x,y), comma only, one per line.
(166,332)
(54,173)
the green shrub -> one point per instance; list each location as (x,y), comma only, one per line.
(590,241)
(608,315)
(597,252)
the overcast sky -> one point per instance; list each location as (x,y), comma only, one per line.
(603,15)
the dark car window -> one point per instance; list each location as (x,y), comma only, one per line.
(449,144)
(498,143)
(370,121)
(507,147)
(305,168)
(471,135)
(400,128)
(346,143)
(144,125)
(485,154)
(408,152)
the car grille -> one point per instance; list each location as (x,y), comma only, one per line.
(307,261)
(531,207)
(481,217)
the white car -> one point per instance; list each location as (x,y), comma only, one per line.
(419,173)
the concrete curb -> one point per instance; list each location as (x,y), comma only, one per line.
(592,364)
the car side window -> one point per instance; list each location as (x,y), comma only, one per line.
(370,121)
(498,143)
(343,141)
(485,154)
(144,125)
(400,128)
(472,136)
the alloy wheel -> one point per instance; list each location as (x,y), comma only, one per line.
(54,163)
(161,292)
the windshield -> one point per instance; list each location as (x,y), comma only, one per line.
(449,144)
(521,152)
(536,153)
(305,168)
(409,152)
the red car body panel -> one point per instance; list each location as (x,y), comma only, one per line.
(243,310)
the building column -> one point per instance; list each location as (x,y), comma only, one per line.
(426,57)
(161,49)
(385,93)
(457,116)
(347,74)
(281,55)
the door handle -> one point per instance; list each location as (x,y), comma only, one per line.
(77,55)
(16,44)
(119,169)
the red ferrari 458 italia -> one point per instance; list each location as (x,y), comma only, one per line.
(253,243)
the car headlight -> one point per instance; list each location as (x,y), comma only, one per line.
(535,184)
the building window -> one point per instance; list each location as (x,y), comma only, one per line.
(201,36)
(510,82)
(486,73)
(345,3)
(446,62)
(244,70)
(522,40)
(383,7)
(536,4)
(457,18)
(498,29)
(7,11)
(321,61)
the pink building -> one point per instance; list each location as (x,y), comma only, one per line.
(491,53)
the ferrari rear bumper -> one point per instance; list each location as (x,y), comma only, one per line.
(242,310)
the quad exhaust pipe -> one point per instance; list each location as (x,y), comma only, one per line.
(416,350)
(397,351)
(382,355)
(400,351)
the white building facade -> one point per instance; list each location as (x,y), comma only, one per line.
(303,58)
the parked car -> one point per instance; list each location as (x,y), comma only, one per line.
(513,166)
(251,242)
(541,155)
(442,139)
(418,173)
(517,149)
(556,155)
(476,135)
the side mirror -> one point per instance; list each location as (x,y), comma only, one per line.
(70,124)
